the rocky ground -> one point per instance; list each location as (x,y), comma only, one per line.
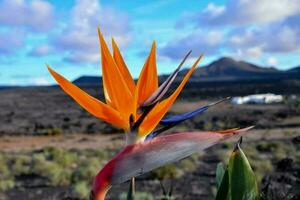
(48,111)
(281,181)
(34,118)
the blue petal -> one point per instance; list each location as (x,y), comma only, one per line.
(173,121)
(156,132)
(182,117)
(170,122)
(153,134)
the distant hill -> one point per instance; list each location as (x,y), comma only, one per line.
(223,69)
(229,69)
(2,87)
(88,80)
(295,69)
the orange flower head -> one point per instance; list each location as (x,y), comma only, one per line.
(136,108)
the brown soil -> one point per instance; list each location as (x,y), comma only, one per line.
(78,141)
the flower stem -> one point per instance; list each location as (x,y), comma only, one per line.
(133,185)
(131,191)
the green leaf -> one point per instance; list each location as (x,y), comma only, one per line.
(219,174)
(224,188)
(238,182)
(242,180)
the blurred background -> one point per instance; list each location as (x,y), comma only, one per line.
(50,148)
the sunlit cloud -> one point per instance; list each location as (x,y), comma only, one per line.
(19,19)
(272,61)
(63,33)
(79,37)
(40,81)
(198,42)
(41,50)
(247,12)
(35,15)
(249,29)
(10,41)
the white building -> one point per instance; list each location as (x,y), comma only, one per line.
(258,99)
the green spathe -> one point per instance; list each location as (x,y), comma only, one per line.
(238,182)
(219,174)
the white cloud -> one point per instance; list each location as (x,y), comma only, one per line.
(247,12)
(283,39)
(83,57)
(80,38)
(254,51)
(20,18)
(36,15)
(41,50)
(250,28)
(40,81)
(198,42)
(213,10)
(272,61)
(242,37)
(10,41)
(275,38)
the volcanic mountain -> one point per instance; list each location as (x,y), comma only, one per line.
(228,68)
(223,69)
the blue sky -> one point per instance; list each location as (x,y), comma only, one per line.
(63,34)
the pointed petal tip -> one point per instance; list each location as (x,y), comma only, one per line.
(233,130)
(197,61)
(153,44)
(101,37)
(240,130)
(201,55)
(113,42)
(238,144)
(52,72)
(147,82)
(99,30)
(247,128)
(220,101)
(153,48)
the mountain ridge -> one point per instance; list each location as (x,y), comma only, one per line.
(222,69)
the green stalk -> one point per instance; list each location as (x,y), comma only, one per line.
(131,191)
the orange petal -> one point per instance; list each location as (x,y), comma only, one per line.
(157,113)
(122,67)
(148,80)
(226,131)
(116,90)
(89,103)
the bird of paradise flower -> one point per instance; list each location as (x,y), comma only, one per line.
(139,109)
